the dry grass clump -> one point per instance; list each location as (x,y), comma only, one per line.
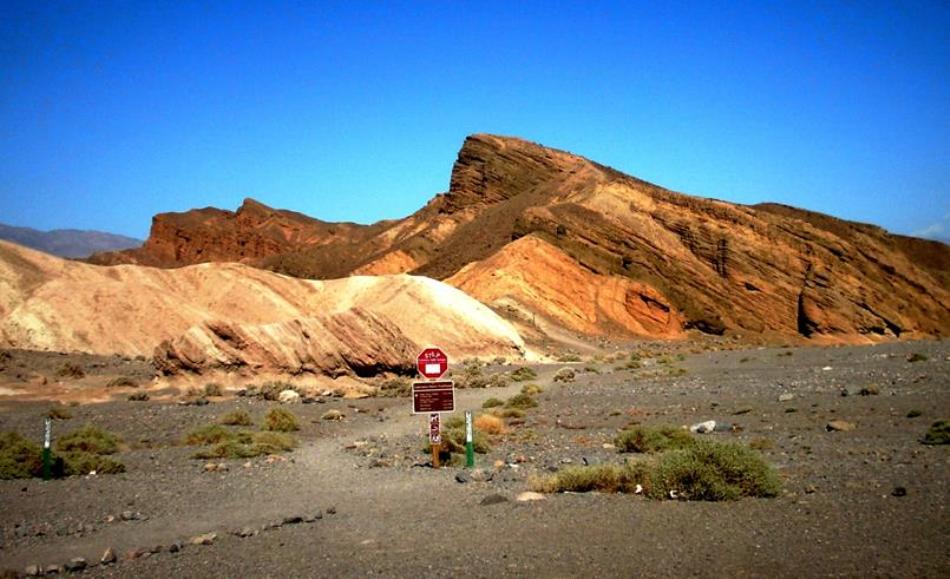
(138,397)
(122,382)
(493,403)
(564,375)
(523,374)
(707,471)
(237,418)
(508,413)
(226,443)
(281,420)
(472,376)
(395,388)
(531,389)
(653,439)
(85,450)
(71,370)
(489,424)
(213,434)
(568,357)
(213,390)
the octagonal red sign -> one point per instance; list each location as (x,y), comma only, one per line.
(432,363)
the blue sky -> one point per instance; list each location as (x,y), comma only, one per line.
(112,112)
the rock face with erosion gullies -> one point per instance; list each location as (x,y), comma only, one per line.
(232,316)
(634,259)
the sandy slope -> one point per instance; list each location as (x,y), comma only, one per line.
(51,304)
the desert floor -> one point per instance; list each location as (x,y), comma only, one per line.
(383,511)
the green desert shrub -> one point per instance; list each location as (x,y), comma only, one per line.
(269,442)
(523,374)
(281,420)
(939,433)
(493,403)
(91,439)
(19,457)
(509,412)
(607,478)
(711,471)
(521,402)
(653,439)
(214,434)
(564,375)
(237,417)
(82,463)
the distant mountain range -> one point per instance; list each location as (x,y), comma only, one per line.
(73,243)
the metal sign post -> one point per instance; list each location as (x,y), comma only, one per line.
(469,444)
(47,439)
(435,437)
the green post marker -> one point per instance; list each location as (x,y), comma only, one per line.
(469,445)
(47,455)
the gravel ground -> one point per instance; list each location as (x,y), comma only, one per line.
(382,512)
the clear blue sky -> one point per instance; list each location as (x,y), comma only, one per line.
(111,112)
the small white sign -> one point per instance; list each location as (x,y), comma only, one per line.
(433,368)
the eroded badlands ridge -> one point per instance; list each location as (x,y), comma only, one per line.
(716,266)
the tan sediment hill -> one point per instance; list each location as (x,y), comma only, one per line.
(767,270)
(233,315)
(535,279)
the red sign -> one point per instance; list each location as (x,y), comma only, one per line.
(429,397)
(432,363)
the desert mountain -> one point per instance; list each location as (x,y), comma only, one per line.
(605,253)
(232,316)
(73,243)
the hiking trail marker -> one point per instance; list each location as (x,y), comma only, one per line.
(433,396)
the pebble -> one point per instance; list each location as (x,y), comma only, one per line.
(32,570)
(206,539)
(529,496)
(462,477)
(786,397)
(76,564)
(245,532)
(899,492)
(294,520)
(840,426)
(108,557)
(703,427)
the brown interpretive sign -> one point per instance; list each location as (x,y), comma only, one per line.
(429,397)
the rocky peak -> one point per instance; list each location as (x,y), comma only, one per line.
(492,168)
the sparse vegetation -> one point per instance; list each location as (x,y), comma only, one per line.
(19,457)
(138,397)
(249,445)
(122,382)
(568,357)
(531,389)
(704,471)
(523,374)
(395,388)
(493,403)
(713,471)
(213,434)
(71,370)
(917,357)
(489,424)
(564,375)
(281,420)
(592,369)
(508,413)
(521,402)
(91,439)
(761,444)
(653,439)
(237,418)
(939,433)
(213,390)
